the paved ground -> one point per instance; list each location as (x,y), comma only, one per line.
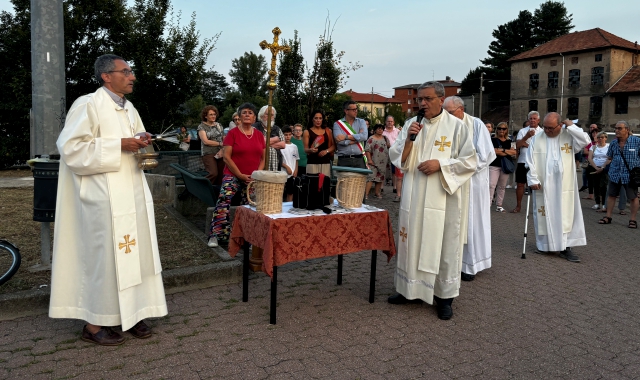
(542,317)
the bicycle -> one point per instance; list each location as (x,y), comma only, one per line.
(9,260)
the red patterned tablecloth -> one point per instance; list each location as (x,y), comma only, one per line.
(287,240)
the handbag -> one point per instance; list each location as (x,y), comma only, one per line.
(634,174)
(311,191)
(507,165)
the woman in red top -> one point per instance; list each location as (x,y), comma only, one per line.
(243,154)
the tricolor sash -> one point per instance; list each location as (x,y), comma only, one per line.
(348,130)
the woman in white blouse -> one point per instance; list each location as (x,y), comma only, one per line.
(598,178)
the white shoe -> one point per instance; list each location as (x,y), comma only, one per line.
(213,242)
(507,187)
(499,209)
(596,207)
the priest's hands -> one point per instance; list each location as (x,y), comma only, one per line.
(414,128)
(131,144)
(536,187)
(430,166)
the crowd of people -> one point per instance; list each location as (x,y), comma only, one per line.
(446,168)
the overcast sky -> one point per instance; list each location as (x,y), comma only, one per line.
(397,42)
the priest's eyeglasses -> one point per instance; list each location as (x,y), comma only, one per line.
(126,72)
(551,128)
(427,99)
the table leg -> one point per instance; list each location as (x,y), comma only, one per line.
(274,293)
(339,269)
(245,273)
(372,280)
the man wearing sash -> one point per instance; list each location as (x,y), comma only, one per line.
(557,215)
(436,165)
(350,134)
(475,194)
(106,266)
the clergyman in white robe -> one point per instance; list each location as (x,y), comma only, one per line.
(429,241)
(106,266)
(477,252)
(557,214)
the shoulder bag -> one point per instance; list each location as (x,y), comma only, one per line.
(634,174)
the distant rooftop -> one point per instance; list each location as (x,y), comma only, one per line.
(448,82)
(575,42)
(629,82)
(363,97)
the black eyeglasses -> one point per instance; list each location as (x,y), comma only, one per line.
(351,109)
(126,72)
(551,128)
(501,129)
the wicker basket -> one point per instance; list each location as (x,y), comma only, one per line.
(269,187)
(350,189)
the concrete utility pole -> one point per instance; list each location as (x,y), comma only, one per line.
(481,89)
(48,99)
(48,111)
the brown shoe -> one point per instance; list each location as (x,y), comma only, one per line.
(140,330)
(104,337)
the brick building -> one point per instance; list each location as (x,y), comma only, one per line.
(592,76)
(368,102)
(407,94)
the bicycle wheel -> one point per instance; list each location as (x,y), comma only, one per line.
(9,261)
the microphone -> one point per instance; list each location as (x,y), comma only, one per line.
(418,120)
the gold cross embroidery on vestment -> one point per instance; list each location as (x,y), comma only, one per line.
(127,243)
(567,148)
(442,143)
(541,210)
(403,234)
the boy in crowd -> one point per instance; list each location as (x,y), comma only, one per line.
(290,159)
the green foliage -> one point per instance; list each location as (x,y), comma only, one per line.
(214,88)
(192,110)
(249,74)
(551,20)
(289,95)
(395,110)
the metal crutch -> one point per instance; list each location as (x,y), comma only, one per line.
(526,226)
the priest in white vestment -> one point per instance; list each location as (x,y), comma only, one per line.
(106,265)
(476,254)
(557,214)
(436,166)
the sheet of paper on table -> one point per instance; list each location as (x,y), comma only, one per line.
(337,209)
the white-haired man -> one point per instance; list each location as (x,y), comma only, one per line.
(522,143)
(557,214)
(435,165)
(475,199)
(276,140)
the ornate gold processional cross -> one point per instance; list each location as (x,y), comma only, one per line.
(541,210)
(127,244)
(271,85)
(567,148)
(442,143)
(403,234)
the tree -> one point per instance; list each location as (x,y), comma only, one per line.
(289,94)
(550,21)
(249,74)
(214,88)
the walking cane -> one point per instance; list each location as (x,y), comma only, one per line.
(526,225)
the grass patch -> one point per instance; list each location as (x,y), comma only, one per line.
(178,247)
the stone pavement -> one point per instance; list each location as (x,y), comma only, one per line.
(542,317)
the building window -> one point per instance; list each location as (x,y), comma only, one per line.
(409,101)
(598,57)
(553,62)
(378,112)
(533,81)
(410,93)
(597,75)
(595,106)
(574,60)
(622,104)
(553,79)
(533,105)
(552,105)
(534,65)
(573,107)
(574,78)
(365,109)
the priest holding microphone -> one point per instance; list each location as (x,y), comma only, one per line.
(436,154)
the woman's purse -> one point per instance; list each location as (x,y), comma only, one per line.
(507,165)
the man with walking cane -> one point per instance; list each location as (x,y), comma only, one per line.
(557,215)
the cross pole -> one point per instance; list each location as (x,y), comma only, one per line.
(275,48)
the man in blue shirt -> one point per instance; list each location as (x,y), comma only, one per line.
(628,145)
(350,134)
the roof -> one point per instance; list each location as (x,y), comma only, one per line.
(578,41)
(367,97)
(629,82)
(445,83)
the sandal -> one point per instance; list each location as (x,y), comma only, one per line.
(499,209)
(515,210)
(633,224)
(605,220)
(622,212)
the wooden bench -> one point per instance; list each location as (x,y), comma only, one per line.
(198,185)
